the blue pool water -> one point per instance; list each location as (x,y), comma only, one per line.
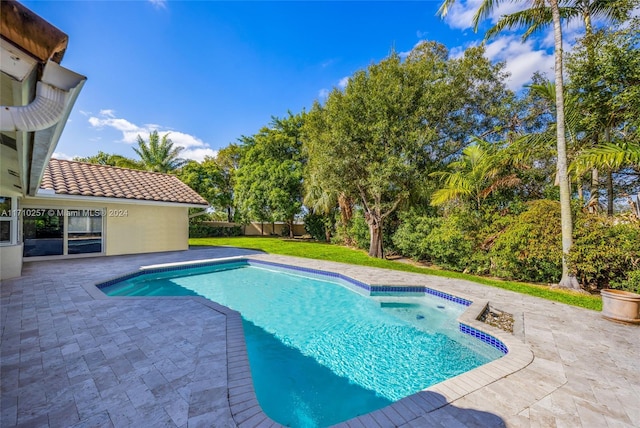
(321,353)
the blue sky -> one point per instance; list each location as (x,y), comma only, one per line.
(211,71)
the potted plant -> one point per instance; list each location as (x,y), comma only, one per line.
(622,301)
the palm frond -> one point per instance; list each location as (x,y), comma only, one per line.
(608,155)
(444,8)
(483,12)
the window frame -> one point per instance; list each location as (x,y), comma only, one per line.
(65,234)
(13,222)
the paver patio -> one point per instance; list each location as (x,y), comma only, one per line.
(70,359)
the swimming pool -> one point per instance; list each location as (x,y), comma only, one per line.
(324,351)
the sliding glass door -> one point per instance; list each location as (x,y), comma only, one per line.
(58,232)
(84,232)
(43,232)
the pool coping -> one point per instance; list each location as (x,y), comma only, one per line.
(243,403)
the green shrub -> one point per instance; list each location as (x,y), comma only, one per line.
(448,244)
(440,240)
(359,230)
(314,224)
(411,236)
(530,249)
(203,230)
(605,250)
(631,283)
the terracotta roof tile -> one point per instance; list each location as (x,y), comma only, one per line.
(79,178)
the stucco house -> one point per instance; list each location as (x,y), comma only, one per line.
(54,208)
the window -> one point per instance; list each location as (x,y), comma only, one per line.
(84,232)
(43,232)
(8,220)
(57,232)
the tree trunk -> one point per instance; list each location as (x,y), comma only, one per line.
(607,137)
(346,211)
(568,280)
(375,244)
(290,222)
(580,193)
(609,193)
(594,191)
(229,216)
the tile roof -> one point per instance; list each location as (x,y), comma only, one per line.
(85,179)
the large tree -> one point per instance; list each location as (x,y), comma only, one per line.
(228,161)
(484,11)
(606,85)
(205,178)
(159,155)
(397,121)
(268,182)
(537,18)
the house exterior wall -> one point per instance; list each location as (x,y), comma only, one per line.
(10,261)
(131,228)
(146,229)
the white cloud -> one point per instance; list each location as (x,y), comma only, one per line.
(323,93)
(460,14)
(159,4)
(505,8)
(198,154)
(194,147)
(458,51)
(62,156)
(343,82)
(522,59)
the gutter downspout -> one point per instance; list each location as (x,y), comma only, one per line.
(48,107)
(45,117)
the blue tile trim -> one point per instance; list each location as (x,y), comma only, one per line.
(419,289)
(118,279)
(486,338)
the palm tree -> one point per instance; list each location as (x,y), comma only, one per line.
(485,9)
(474,176)
(159,155)
(537,18)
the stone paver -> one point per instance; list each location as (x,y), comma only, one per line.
(70,357)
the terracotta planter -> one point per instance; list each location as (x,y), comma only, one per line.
(621,305)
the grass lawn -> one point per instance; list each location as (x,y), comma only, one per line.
(336,253)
